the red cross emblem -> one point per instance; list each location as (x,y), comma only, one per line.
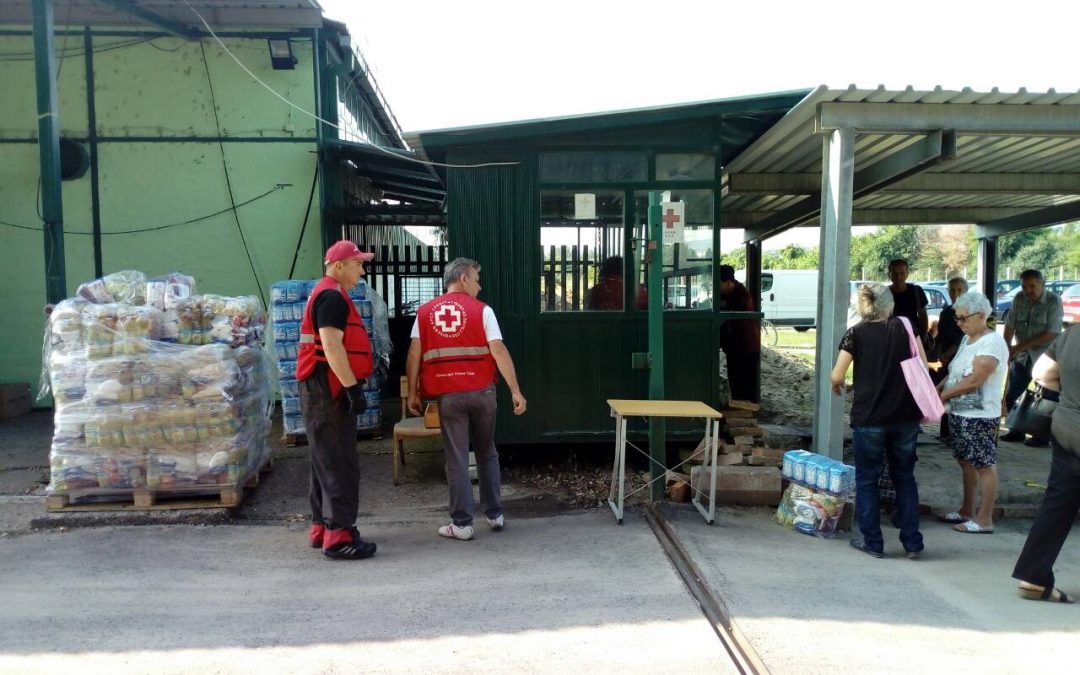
(448,319)
(670,218)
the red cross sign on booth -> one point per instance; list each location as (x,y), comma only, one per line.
(673,218)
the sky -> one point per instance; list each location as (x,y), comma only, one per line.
(445,64)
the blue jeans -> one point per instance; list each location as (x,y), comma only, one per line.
(895,444)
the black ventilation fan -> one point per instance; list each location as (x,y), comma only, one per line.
(74,160)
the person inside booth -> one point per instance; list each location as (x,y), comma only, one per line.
(607,294)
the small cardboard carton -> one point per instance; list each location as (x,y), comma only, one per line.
(14,399)
(431,416)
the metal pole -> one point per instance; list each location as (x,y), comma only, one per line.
(657,426)
(52,208)
(837,181)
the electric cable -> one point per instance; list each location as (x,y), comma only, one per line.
(279,186)
(228,180)
(303,227)
(328,123)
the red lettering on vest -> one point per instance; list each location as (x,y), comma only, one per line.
(355,339)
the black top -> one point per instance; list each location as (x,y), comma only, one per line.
(329,311)
(948,331)
(908,303)
(881,393)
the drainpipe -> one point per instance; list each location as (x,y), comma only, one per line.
(52,207)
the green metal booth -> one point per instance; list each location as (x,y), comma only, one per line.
(559,229)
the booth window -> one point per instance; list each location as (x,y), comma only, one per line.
(687,265)
(593,167)
(685,166)
(581,246)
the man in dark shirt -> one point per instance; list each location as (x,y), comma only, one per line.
(740,338)
(949,336)
(909,299)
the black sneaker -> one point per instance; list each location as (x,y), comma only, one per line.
(347,545)
(913,555)
(860,545)
(1012,437)
(1036,443)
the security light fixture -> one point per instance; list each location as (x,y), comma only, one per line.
(281,56)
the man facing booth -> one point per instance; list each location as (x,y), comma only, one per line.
(456,348)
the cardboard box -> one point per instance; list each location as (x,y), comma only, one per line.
(431,416)
(14,399)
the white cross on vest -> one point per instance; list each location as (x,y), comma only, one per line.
(448,318)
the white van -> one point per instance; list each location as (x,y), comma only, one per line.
(788,297)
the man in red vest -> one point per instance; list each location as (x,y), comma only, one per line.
(455,351)
(334,356)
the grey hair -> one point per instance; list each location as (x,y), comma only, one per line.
(875,301)
(975,303)
(457,267)
(958,280)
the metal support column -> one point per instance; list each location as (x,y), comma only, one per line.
(657,425)
(987,267)
(753,285)
(48,108)
(837,184)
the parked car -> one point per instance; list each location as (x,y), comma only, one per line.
(788,297)
(1070,304)
(1004,303)
(1003,287)
(1061,285)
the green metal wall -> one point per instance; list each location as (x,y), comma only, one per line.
(568,364)
(162,159)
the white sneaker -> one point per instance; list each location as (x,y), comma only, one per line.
(496,524)
(453,531)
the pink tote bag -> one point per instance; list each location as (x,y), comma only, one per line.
(918,380)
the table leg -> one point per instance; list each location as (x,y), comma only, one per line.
(616,470)
(712,439)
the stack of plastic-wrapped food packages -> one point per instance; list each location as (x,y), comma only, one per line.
(156,388)
(288,301)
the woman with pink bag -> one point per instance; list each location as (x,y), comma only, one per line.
(972,396)
(884,418)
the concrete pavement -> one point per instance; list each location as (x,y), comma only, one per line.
(811,605)
(554,594)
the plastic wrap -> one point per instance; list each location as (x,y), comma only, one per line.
(127,286)
(288,303)
(134,412)
(810,511)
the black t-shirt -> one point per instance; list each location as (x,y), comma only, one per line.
(948,331)
(908,303)
(881,393)
(329,311)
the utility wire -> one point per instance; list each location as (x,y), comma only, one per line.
(328,123)
(228,180)
(279,186)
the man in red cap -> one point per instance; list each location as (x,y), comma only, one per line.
(455,351)
(334,356)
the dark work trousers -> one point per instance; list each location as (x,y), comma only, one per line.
(464,416)
(1055,518)
(937,377)
(743,375)
(335,464)
(1019,379)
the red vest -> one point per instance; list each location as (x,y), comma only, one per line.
(454,347)
(355,339)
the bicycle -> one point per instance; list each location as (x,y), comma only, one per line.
(769,335)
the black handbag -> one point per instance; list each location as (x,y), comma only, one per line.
(1032,412)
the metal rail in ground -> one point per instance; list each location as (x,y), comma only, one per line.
(738,646)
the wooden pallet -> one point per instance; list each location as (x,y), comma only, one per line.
(146,499)
(293,440)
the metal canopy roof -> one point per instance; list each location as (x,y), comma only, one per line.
(1007,161)
(287,14)
(391,171)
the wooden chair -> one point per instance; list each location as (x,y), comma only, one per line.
(408,427)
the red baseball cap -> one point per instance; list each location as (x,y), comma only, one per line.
(344,250)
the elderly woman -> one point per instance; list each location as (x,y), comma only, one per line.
(1058,369)
(972,397)
(884,419)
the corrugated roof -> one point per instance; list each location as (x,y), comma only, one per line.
(991,176)
(285,14)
